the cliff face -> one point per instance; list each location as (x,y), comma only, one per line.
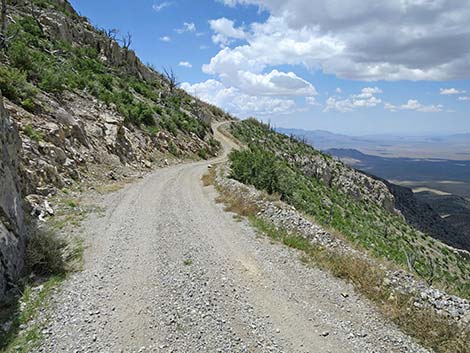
(12,231)
(422,216)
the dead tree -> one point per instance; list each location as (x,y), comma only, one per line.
(170,76)
(126,40)
(111,33)
(35,17)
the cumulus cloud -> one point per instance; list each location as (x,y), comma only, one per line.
(363,40)
(450,91)
(237,102)
(464,98)
(185,64)
(365,99)
(187,27)
(165,39)
(415,105)
(225,31)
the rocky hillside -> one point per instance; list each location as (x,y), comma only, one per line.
(87,109)
(345,201)
(420,212)
(12,232)
(421,215)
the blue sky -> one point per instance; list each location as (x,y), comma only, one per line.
(349,66)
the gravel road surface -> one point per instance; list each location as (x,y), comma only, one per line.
(167,270)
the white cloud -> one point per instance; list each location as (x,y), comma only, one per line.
(338,90)
(464,98)
(368,92)
(390,106)
(187,27)
(311,101)
(449,91)
(237,102)
(365,99)
(363,40)
(274,83)
(161,6)
(165,39)
(225,31)
(185,64)
(415,105)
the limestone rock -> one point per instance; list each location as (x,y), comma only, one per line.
(12,229)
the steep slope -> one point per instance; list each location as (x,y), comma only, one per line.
(80,99)
(421,215)
(417,211)
(454,209)
(359,207)
(12,232)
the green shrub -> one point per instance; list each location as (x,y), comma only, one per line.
(20,56)
(29,105)
(203,153)
(44,253)
(13,84)
(52,81)
(32,133)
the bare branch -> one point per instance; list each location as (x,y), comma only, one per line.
(112,33)
(170,76)
(126,40)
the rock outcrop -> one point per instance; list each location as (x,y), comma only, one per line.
(12,229)
(353,183)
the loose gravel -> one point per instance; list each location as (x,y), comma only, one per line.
(167,270)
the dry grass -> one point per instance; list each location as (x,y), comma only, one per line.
(109,188)
(237,204)
(429,328)
(209,178)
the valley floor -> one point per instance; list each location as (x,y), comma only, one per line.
(167,270)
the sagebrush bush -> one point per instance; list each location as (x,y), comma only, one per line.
(44,253)
(14,86)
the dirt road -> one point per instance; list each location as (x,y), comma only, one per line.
(167,270)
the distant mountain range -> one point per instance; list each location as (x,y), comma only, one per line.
(405,168)
(444,147)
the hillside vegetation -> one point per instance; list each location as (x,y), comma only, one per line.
(83,93)
(276,163)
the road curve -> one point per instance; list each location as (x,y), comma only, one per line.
(167,270)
